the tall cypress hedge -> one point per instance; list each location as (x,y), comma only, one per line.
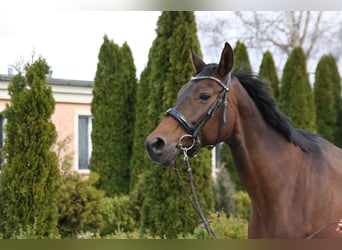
(30,177)
(165,210)
(296,95)
(139,156)
(336,80)
(327,91)
(268,71)
(241,58)
(112,108)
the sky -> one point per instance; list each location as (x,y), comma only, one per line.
(70,40)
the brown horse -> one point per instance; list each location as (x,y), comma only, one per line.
(294,178)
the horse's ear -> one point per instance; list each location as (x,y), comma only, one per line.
(197,62)
(227,60)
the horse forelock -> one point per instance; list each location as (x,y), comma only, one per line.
(207,70)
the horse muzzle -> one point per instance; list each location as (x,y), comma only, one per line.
(165,154)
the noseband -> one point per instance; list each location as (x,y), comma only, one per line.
(193,129)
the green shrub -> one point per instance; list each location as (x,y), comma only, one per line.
(119,234)
(224,228)
(28,233)
(230,227)
(242,205)
(81,207)
(119,216)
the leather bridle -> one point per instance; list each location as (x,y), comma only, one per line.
(194,129)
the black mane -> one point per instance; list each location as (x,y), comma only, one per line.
(268,107)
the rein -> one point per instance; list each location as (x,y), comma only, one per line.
(195,203)
(316,233)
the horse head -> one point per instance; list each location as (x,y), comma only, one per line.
(201,113)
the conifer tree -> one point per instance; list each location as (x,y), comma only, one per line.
(112,108)
(30,177)
(324,99)
(296,95)
(241,58)
(338,132)
(165,210)
(269,72)
(139,156)
(327,98)
(336,80)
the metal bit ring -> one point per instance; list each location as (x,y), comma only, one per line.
(180,145)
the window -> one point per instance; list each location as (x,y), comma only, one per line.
(84,141)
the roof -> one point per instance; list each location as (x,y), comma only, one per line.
(57,81)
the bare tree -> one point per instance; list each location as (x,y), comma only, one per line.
(285,30)
(280,31)
(338,53)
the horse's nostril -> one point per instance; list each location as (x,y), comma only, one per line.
(157,145)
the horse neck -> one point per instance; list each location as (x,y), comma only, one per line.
(257,150)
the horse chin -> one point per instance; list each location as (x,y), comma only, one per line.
(170,158)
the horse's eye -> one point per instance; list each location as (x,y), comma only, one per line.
(204,97)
